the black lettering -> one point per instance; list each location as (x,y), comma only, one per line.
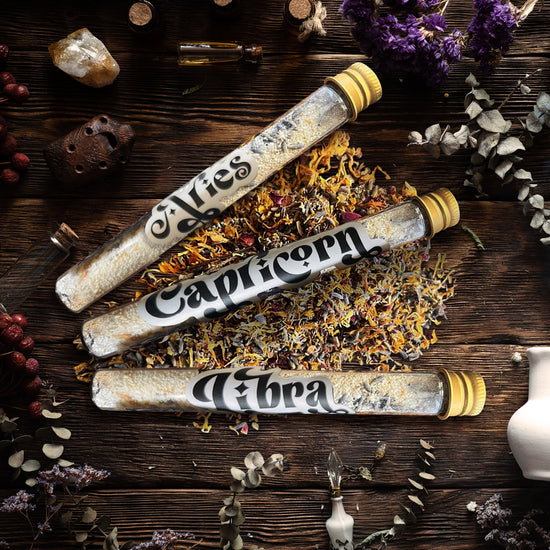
(197,292)
(269,395)
(320,247)
(244,273)
(288,389)
(221,180)
(318,396)
(358,250)
(226,284)
(217,394)
(289,278)
(242,169)
(152,302)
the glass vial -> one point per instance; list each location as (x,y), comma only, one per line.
(142,16)
(207,297)
(340,524)
(205,196)
(35,266)
(204,53)
(443,393)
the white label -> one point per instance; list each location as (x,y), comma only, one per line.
(201,199)
(208,297)
(262,391)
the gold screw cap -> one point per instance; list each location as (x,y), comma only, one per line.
(360,85)
(442,209)
(466,393)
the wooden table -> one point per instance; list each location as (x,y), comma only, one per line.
(165,472)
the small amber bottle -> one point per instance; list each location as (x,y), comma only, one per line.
(203,53)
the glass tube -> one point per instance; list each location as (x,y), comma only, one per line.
(207,297)
(213,190)
(36,265)
(247,389)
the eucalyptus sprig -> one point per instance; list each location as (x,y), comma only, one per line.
(496,144)
(412,507)
(231,515)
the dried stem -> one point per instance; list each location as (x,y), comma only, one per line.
(517,87)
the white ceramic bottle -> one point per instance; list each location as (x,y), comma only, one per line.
(529,427)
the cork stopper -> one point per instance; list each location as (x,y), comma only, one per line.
(466,393)
(442,209)
(253,53)
(360,85)
(142,16)
(64,238)
(298,11)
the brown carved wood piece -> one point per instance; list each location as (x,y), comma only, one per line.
(90,152)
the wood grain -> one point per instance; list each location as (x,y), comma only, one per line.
(165,473)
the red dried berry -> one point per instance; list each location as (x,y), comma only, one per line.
(20,94)
(32,386)
(6,78)
(8,146)
(32,366)
(35,409)
(5,321)
(4,51)
(9,176)
(20,161)
(20,319)
(26,345)
(9,89)
(11,334)
(17,361)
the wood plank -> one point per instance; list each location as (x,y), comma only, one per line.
(295,518)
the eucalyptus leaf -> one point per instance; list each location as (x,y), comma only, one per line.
(473,110)
(415,138)
(52,450)
(546,227)
(543,102)
(237,543)
(254,460)
(537,201)
(5,443)
(503,167)
(237,486)
(416,500)
(252,479)
(416,484)
(111,542)
(545,240)
(31,482)
(62,433)
(80,536)
(229,531)
(25,438)
(523,192)
(537,220)
(509,145)
(522,174)
(426,475)
(16,459)
(432,149)
(89,515)
(8,426)
(487,142)
(64,463)
(239,519)
(30,465)
(524,89)
(492,121)
(433,133)
(533,123)
(51,414)
(237,473)
(43,432)
(65,519)
(462,134)
(449,144)
(471,80)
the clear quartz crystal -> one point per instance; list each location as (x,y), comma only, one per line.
(282,141)
(85,58)
(248,281)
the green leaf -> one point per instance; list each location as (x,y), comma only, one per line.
(415,138)
(229,531)
(64,463)
(523,193)
(462,134)
(30,465)
(52,450)
(252,479)
(509,145)
(537,201)
(237,543)
(62,433)
(237,473)
(546,227)
(16,459)
(80,536)
(31,482)
(492,121)
(449,144)
(537,220)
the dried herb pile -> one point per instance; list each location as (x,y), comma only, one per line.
(378,313)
